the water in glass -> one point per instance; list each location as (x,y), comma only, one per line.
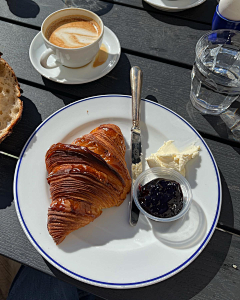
(215,78)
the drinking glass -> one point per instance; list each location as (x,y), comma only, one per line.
(215,78)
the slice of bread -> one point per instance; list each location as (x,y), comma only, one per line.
(10,105)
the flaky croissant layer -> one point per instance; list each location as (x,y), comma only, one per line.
(85,177)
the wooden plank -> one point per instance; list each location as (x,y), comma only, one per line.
(39,104)
(211,274)
(148,33)
(164,83)
(29,12)
(202,13)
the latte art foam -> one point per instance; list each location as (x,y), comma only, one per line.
(73,32)
(73,37)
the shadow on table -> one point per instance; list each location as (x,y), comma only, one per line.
(7,166)
(13,145)
(225,130)
(202,13)
(22,131)
(226,125)
(115,82)
(152,98)
(24,8)
(226,215)
(182,286)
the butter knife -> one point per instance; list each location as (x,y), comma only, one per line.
(136,145)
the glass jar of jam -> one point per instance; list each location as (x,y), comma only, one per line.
(162,194)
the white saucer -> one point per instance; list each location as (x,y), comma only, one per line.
(80,75)
(174,5)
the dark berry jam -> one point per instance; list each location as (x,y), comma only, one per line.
(162,198)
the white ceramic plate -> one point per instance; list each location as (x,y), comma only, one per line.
(174,5)
(109,252)
(80,75)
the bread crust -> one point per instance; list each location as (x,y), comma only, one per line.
(8,130)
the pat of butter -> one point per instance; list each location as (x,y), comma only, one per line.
(168,156)
(136,170)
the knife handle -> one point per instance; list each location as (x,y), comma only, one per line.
(136,87)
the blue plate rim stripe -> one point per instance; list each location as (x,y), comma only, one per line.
(109,283)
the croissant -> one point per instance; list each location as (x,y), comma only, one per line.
(85,177)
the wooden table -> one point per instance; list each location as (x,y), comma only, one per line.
(163,45)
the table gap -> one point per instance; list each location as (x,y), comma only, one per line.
(8,154)
(159,59)
(20,23)
(219,139)
(228,229)
(43,87)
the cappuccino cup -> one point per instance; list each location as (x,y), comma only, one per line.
(73,36)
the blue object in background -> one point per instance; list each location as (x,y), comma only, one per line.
(219,22)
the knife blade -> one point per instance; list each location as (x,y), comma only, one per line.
(136,145)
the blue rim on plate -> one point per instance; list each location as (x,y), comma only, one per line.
(112,284)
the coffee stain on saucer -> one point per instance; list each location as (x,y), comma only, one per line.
(101,57)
